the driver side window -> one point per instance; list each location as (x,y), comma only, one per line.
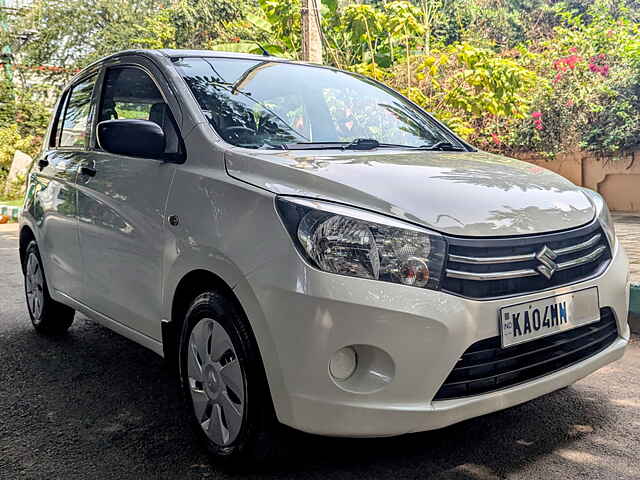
(129,93)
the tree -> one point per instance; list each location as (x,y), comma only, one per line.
(73,33)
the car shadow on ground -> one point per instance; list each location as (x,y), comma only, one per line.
(93,404)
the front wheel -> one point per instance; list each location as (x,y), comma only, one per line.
(223,381)
(47,316)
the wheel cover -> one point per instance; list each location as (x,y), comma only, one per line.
(216,382)
(34,282)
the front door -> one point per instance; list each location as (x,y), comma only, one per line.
(121,203)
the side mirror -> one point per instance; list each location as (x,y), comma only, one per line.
(136,138)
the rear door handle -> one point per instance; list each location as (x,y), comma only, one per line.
(89,171)
(43,163)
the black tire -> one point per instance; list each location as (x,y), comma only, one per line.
(52,318)
(257,437)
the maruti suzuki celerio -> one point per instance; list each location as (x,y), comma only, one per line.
(310,248)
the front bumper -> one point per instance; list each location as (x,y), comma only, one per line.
(309,315)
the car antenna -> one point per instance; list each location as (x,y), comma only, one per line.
(265,52)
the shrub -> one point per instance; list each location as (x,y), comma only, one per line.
(592,98)
(10,141)
(477,92)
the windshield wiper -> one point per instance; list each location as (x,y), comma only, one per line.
(369,144)
(355,144)
(442,146)
(362,144)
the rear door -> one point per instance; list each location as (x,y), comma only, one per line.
(121,202)
(55,202)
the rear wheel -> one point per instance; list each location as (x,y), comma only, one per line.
(47,316)
(223,382)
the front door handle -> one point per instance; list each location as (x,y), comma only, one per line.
(89,171)
(43,163)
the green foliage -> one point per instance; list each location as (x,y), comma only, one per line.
(72,33)
(157,31)
(284,18)
(489,84)
(10,141)
(476,91)
(23,122)
(537,75)
(592,97)
(7,101)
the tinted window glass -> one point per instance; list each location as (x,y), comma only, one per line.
(262,103)
(74,126)
(129,93)
(57,129)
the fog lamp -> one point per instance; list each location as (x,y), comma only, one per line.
(343,363)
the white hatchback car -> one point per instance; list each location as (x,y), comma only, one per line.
(311,248)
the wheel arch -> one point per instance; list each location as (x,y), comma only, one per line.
(193,283)
(187,289)
(26,236)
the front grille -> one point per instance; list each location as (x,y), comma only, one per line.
(486,268)
(486,366)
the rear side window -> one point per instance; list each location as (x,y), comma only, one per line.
(76,115)
(57,128)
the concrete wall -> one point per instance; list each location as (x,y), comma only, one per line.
(616,179)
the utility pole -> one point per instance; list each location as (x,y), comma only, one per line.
(311,33)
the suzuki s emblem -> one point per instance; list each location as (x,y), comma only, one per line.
(546,257)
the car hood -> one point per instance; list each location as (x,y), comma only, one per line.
(458,193)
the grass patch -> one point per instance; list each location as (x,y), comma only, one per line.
(12,203)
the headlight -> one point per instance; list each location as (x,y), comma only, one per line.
(603,214)
(358,243)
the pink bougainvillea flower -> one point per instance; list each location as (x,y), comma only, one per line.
(560,65)
(349,125)
(572,60)
(604,70)
(602,56)
(573,50)
(569,103)
(537,122)
(495,138)
(567,63)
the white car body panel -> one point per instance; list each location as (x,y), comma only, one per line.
(224,197)
(433,189)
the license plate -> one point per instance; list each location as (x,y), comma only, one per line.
(530,320)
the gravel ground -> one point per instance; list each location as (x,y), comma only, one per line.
(95,405)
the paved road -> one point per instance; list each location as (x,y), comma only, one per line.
(94,405)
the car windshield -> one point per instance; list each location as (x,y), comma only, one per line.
(270,104)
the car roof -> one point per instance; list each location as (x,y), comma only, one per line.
(181,53)
(173,53)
